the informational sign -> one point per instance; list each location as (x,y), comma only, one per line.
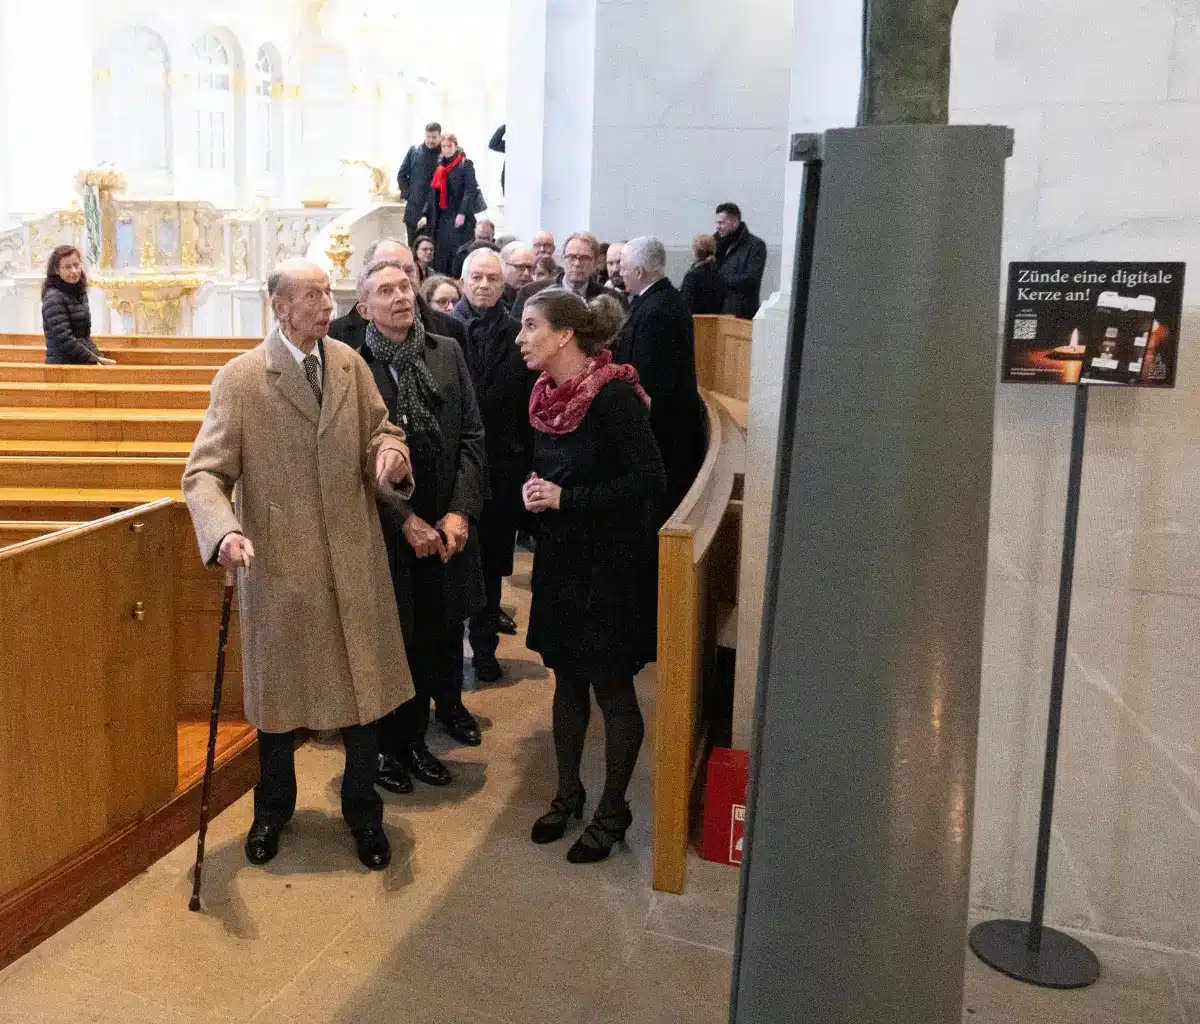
(1093,323)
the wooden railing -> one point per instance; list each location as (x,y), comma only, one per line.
(697,575)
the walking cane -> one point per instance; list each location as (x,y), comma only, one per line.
(222,640)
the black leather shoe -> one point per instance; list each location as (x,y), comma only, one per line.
(422,765)
(393,776)
(374,850)
(506,624)
(487,669)
(460,724)
(262,843)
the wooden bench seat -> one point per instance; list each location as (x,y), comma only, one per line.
(160,475)
(13,531)
(92,449)
(134,425)
(78,504)
(111,396)
(132,356)
(166,376)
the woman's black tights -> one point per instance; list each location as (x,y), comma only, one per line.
(623,729)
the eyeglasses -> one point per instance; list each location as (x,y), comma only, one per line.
(573,257)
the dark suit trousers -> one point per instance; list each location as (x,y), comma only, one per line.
(275,794)
(484,626)
(413,232)
(435,658)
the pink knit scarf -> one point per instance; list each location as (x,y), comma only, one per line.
(559,410)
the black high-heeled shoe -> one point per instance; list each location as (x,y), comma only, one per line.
(552,825)
(606,830)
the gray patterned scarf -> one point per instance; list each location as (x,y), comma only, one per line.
(416,394)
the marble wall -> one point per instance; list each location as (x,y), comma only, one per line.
(690,110)
(632,117)
(1104,99)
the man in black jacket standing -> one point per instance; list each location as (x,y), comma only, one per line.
(351,329)
(431,536)
(502,387)
(415,174)
(741,260)
(657,339)
(581,257)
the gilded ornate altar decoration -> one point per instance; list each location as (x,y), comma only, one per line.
(339,252)
(379,177)
(152,301)
(98,187)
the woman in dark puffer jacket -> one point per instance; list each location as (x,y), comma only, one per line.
(66,319)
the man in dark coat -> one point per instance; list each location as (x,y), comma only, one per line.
(415,174)
(741,259)
(502,386)
(431,537)
(657,339)
(581,257)
(351,329)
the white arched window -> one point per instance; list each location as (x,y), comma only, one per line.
(132,107)
(324,118)
(214,105)
(266,120)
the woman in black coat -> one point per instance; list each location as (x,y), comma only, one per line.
(432,537)
(598,479)
(451,206)
(66,318)
(702,289)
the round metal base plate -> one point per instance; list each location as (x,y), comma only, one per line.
(1062,962)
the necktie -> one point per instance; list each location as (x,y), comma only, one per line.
(312,372)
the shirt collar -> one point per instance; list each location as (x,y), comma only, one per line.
(297,354)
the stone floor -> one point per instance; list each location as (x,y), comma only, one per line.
(471,924)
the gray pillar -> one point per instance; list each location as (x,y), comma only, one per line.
(855,886)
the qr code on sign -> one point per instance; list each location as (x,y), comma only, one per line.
(1025,329)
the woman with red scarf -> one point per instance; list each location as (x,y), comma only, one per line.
(598,481)
(454,199)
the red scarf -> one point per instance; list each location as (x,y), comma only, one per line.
(440,174)
(559,410)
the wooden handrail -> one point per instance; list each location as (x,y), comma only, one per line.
(79,529)
(693,549)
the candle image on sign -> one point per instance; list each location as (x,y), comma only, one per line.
(1093,323)
(737,833)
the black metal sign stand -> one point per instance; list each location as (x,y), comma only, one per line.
(1026,950)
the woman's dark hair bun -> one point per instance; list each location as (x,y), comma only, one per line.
(606,316)
(595,323)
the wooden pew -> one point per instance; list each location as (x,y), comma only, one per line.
(111,396)
(697,572)
(100,424)
(166,376)
(114,695)
(132,356)
(135,472)
(142,341)
(723,361)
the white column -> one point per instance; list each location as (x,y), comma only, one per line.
(826,66)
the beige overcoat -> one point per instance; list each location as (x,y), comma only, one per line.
(321,640)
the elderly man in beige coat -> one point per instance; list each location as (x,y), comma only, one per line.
(281,483)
